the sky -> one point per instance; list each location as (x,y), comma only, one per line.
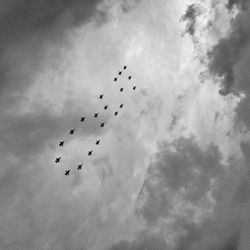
(172,169)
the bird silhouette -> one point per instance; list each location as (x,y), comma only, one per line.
(96,114)
(102,124)
(116,113)
(61,143)
(115,79)
(121,89)
(82,119)
(97,142)
(106,107)
(129,77)
(120,72)
(101,96)
(134,87)
(72,131)
(125,66)
(58,160)
(67,172)
(121,106)
(90,152)
(79,167)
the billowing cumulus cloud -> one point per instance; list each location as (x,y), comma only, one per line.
(171,171)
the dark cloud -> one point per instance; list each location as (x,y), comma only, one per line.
(190,17)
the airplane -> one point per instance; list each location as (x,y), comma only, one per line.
(101,96)
(61,143)
(125,67)
(72,131)
(82,119)
(90,152)
(120,72)
(134,87)
(79,167)
(121,89)
(57,160)
(106,107)
(96,114)
(129,77)
(116,113)
(115,79)
(97,142)
(102,124)
(121,106)
(67,172)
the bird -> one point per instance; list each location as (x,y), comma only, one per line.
(120,72)
(82,119)
(115,79)
(101,96)
(57,160)
(72,131)
(106,107)
(67,172)
(116,113)
(97,142)
(134,87)
(121,105)
(102,124)
(96,114)
(61,143)
(90,152)
(121,89)
(79,167)
(129,77)
(125,66)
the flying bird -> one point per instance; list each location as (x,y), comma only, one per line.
(61,143)
(97,142)
(134,87)
(106,107)
(116,113)
(79,167)
(125,66)
(102,124)
(121,106)
(67,172)
(90,152)
(129,77)
(82,119)
(96,114)
(72,131)
(121,89)
(115,79)
(101,96)
(57,160)
(120,72)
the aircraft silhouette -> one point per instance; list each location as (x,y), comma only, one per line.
(121,106)
(97,142)
(96,114)
(61,143)
(120,72)
(82,119)
(101,96)
(72,131)
(116,113)
(121,89)
(106,107)
(102,124)
(134,87)
(129,77)
(115,79)
(90,152)
(57,160)
(79,167)
(125,67)
(67,172)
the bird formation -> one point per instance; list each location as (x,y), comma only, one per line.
(101,124)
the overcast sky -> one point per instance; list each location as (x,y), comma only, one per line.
(172,169)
